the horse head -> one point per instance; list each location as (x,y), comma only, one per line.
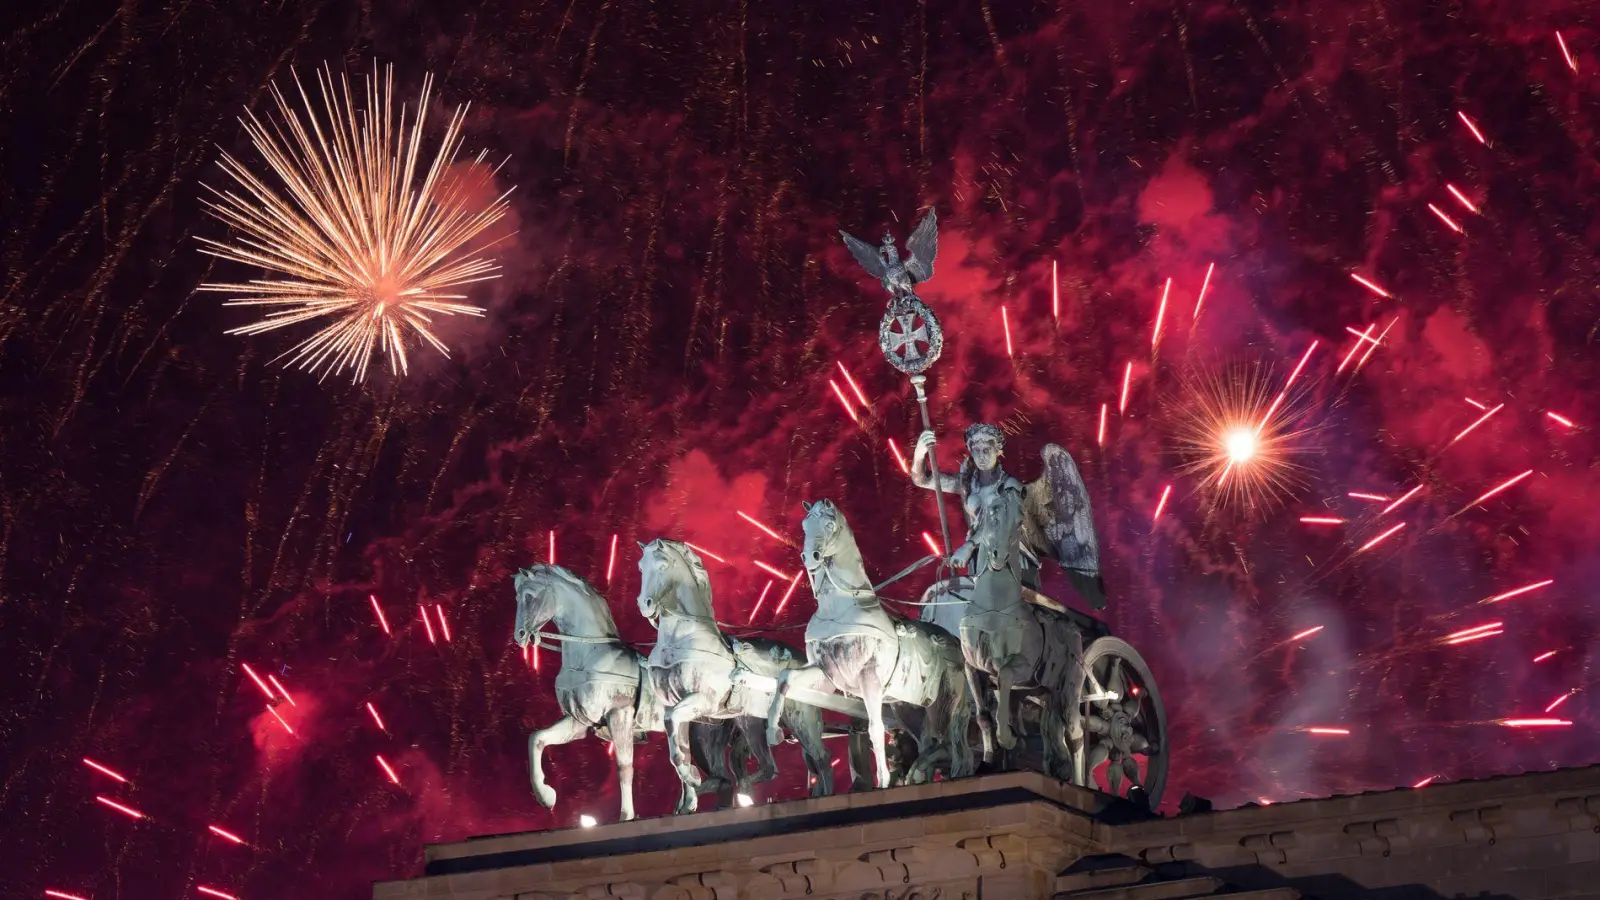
(535,605)
(825,530)
(666,568)
(1001,534)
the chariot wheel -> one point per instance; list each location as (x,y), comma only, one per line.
(1120,725)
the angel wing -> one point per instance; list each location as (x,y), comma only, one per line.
(1058,524)
(922,246)
(865,254)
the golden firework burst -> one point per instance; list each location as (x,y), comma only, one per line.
(1238,433)
(358,237)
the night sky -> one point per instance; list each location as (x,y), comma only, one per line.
(657,357)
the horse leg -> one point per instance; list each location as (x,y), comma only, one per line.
(620,723)
(708,750)
(766,767)
(563,732)
(1002,706)
(678,718)
(872,695)
(860,753)
(805,723)
(975,691)
(810,678)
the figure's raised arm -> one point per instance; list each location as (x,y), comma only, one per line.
(922,471)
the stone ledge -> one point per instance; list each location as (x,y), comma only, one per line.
(970,800)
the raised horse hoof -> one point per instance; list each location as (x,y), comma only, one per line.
(546,796)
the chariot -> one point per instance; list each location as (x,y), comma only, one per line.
(983,666)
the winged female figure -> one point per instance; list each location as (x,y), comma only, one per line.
(1057,521)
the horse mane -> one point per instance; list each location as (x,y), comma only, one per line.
(547,572)
(691,561)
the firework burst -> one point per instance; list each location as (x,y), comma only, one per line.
(362,240)
(1238,434)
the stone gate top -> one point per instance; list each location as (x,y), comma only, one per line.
(1021,835)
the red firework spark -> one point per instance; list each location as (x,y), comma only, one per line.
(224,834)
(382,622)
(1204,286)
(1371,286)
(388,769)
(279,688)
(98,767)
(1472,127)
(854,388)
(611,559)
(373,711)
(423,610)
(849,410)
(761,525)
(213,892)
(899,458)
(1005,323)
(128,811)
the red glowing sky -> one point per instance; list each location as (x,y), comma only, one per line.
(657,358)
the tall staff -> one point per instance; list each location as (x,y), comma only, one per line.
(909,334)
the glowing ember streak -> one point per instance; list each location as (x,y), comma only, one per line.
(552,548)
(1497,490)
(1380,538)
(388,770)
(1407,496)
(704,552)
(1203,286)
(854,388)
(225,835)
(1446,219)
(444,627)
(426,623)
(62,895)
(899,458)
(1370,286)
(1563,420)
(771,570)
(1381,335)
(221,895)
(1161,314)
(1571,63)
(361,233)
(1127,377)
(103,770)
(1162,504)
(1301,365)
(1520,591)
(378,720)
(1461,197)
(793,583)
(1331,731)
(257,679)
(748,518)
(1375,498)
(1480,420)
(843,402)
(1005,322)
(1055,291)
(760,600)
(382,622)
(933,545)
(275,715)
(1362,337)
(1545,655)
(1100,434)
(535,657)
(1534,723)
(1424,782)
(1475,633)
(1473,127)
(128,811)
(1558,701)
(611,559)
(280,689)
(1321,520)
(1307,633)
